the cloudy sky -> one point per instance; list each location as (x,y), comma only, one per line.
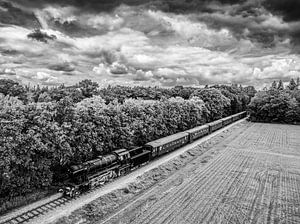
(151,42)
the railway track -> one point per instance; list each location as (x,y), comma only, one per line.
(29,215)
(40,210)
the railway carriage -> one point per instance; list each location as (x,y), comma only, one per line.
(242,114)
(215,125)
(197,132)
(167,144)
(235,117)
(227,120)
(239,116)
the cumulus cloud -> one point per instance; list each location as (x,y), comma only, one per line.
(279,68)
(115,69)
(7,71)
(101,69)
(141,75)
(118,69)
(46,78)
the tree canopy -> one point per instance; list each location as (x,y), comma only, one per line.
(277,104)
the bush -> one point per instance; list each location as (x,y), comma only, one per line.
(216,103)
(274,105)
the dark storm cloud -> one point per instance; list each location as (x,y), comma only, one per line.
(15,16)
(65,67)
(265,22)
(108,57)
(8,52)
(106,5)
(236,15)
(261,29)
(91,5)
(290,9)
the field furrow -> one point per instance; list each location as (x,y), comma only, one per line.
(179,195)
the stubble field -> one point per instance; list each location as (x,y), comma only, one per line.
(254,179)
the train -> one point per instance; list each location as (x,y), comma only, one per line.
(97,172)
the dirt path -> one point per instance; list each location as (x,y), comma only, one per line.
(124,182)
(256,179)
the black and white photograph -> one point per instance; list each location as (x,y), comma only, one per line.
(149,111)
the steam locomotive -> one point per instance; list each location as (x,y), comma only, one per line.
(100,170)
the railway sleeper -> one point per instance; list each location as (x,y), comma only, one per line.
(19,219)
(35,212)
(30,214)
(14,221)
(25,216)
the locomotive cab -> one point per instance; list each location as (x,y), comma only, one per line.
(124,161)
(123,155)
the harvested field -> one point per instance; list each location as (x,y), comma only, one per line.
(255,179)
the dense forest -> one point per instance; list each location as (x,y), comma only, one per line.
(278,103)
(44,130)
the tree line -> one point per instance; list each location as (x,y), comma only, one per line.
(44,130)
(278,103)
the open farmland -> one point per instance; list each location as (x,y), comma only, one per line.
(255,179)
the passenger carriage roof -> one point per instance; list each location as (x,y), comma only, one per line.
(197,128)
(239,113)
(167,139)
(226,118)
(215,122)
